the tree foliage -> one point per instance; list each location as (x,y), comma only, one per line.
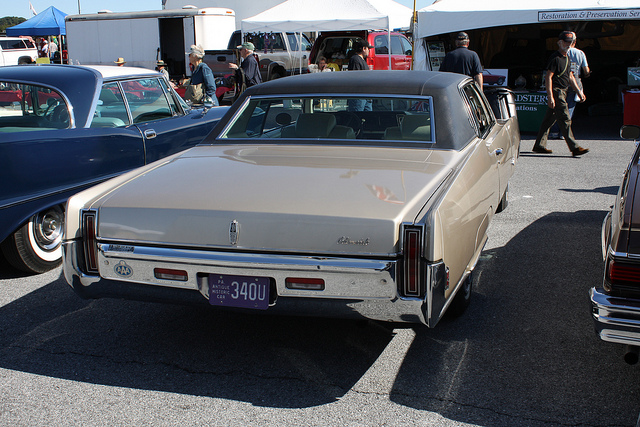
(10,21)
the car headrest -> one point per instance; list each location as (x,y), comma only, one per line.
(316,125)
(416,127)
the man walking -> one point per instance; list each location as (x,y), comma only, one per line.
(462,60)
(558,80)
(580,68)
(250,74)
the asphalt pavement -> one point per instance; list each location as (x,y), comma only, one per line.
(524,354)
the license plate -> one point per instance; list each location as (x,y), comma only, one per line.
(239,291)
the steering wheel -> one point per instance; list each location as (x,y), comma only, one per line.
(347,118)
(50,108)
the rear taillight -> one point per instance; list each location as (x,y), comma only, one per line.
(304,283)
(89,241)
(622,278)
(412,264)
(170,274)
(623,273)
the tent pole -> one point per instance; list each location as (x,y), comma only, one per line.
(300,51)
(414,20)
(389,40)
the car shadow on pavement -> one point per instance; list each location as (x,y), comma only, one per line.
(525,352)
(7,271)
(269,361)
(612,190)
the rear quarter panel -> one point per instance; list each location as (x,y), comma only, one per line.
(459,216)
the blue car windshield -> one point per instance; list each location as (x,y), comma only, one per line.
(334,118)
(31,108)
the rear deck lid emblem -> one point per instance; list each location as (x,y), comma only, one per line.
(233,232)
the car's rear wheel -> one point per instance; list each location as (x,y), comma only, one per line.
(463,298)
(36,247)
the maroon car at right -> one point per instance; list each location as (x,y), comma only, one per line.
(615,304)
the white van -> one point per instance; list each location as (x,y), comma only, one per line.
(12,48)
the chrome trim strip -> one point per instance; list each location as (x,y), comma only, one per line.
(622,255)
(603,239)
(616,319)
(202,257)
(238,249)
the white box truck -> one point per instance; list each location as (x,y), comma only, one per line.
(142,38)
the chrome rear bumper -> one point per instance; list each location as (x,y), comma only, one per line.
(355,287)
(616,319)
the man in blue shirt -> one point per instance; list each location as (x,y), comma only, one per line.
(462,60)
(249,66)
(202,75)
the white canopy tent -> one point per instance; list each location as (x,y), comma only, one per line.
(448,16)
(299,16)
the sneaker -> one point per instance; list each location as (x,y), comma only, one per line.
(540,149)
(580,151)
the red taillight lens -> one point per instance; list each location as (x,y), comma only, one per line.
(169,274)
(90,244)
(626,273)
(412,262)
(304,283)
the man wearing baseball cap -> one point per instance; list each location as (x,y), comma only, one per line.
(248,67)
(462,60)
(359,59)
(558,79)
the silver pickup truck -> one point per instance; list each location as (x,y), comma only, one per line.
(279,54)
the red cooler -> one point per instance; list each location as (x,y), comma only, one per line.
(632,107)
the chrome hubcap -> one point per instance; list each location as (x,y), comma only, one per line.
(47,228)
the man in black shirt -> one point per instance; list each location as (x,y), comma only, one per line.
(558,80)
(462,60)
(359,62)
(359,59)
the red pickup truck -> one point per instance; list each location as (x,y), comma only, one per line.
(337,48)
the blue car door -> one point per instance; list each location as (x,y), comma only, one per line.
(166,126)
(49,156)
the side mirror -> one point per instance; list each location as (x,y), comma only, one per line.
(208,102)
(630,132)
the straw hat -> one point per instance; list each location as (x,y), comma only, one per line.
(120,61)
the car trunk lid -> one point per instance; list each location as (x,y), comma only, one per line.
(309,199)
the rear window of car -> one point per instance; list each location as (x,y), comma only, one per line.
(332,118)
(31,108)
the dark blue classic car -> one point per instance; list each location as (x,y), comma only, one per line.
(65,128)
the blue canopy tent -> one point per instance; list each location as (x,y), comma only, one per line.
(49,22)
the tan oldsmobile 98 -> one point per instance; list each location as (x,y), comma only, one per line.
(363,194)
